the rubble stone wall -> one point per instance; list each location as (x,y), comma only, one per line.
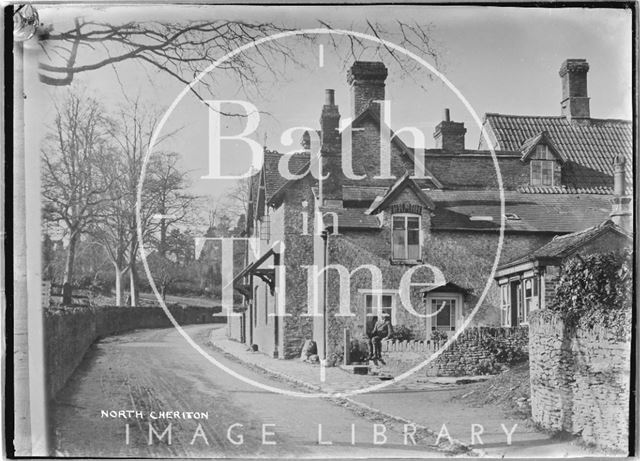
(580,380)
(470,354)
(70,332)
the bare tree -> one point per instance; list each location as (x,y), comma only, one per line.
(135,126)
(164,201)
(168,185)
(112,231)
(180,50)
(73,155)
(184,49)
(237,199)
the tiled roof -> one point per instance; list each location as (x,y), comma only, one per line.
(480,210)
(589,145)
(565,245)
(362,193)
(565,190)
(350,218)
(273,179)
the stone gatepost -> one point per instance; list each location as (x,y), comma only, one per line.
(347,347)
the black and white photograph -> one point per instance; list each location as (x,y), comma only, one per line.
(319,231)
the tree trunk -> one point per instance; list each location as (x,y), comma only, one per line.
(67,294)
(133,285)
(133,273)
(118,286)
(162,245)
(71,255)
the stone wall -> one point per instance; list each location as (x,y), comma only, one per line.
(580,380)
(71,331)
(470,354)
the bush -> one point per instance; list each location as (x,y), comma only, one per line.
(595,288)
(402,333)
(335,359)
(359,351)
(438,336)
(504,351)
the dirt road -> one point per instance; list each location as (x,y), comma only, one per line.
(155,371)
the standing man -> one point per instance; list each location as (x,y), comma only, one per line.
(381,330)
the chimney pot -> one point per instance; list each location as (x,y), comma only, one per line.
(619,180)
(621,210)
(449,135)
(329,97)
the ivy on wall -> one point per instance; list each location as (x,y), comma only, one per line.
(596,289)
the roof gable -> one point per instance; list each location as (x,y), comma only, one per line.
(370,113)
(528,147)
(275,183)
(380,203)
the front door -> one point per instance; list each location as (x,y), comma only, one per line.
(515,302)
(442,310)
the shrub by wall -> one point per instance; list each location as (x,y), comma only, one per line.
(69,332)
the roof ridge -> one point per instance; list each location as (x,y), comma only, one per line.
(596,119)
(606,223)
(523,116)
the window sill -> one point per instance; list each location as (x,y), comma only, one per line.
(405,262)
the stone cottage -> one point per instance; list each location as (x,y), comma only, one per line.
(415,237)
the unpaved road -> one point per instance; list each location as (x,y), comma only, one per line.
(156,370)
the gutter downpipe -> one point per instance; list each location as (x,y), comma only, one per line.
(325,282)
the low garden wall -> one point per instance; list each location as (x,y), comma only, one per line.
(481,350)
(580,378)
(70,331)
(477,351)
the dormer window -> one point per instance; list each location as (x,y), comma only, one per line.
(405,237)
(542,167)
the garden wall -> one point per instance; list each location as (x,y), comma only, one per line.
(580,379)
(477,351)
(70,331)
(481,350)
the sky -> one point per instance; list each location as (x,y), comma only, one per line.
(503,60)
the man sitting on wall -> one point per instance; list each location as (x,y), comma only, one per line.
(381,330)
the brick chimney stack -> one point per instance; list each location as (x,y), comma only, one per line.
(621,203)
(449,135)
(575,101)
(367,84)
(330,121)
(331,149)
